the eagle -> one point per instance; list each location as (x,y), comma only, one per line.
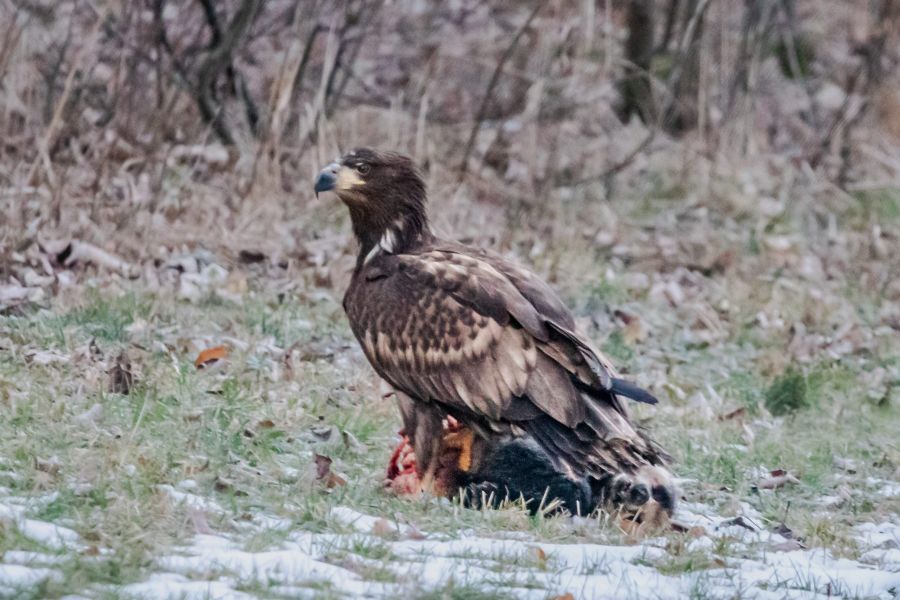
(465,333)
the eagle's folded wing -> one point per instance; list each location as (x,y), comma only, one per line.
(465,335)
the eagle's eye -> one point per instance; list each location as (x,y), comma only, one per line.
(363,168)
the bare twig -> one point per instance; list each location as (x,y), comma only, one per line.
(9,41)
(162,39)
(495,78)
(757,16)
(304,60)
(668,28)
(622,164)
(791,38)
(50,133)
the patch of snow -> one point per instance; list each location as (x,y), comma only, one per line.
(888,489)
(169,586)
(286,566)
(48,534)
(585,570)
(272,522)
(885,559)
(365,523)
(305,563)
(27,558)
(11,475)
(20,578)
(191,500)
(700,544)
(878,535)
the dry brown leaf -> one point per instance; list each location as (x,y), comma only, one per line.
(50,466)
(696,531)
(737,413)
(538,554)
(193,417)
(383,527)
(211,356)
(198,520)
(325,474)
(323,465)
(225,485)
(194,469)
(566,596)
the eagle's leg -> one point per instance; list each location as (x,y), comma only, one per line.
(423,423)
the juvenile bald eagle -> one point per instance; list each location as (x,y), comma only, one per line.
(458,331)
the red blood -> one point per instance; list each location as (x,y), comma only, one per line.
(401,477)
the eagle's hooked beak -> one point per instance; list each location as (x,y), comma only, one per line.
(327,179)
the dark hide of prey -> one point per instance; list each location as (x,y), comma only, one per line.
(520,470)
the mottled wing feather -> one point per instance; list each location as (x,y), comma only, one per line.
(435,345)
(564,344)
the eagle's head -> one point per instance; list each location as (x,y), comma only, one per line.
(385,194)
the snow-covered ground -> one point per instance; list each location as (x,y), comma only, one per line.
(219,565)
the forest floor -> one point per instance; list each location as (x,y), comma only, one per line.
(769,334)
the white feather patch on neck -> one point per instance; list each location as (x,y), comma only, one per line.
(387,243)
(372,253)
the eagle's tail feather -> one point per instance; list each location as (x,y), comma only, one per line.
(629,390)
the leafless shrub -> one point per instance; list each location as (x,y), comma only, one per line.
(146,116)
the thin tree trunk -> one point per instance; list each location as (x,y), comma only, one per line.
(682,113)
(635,86)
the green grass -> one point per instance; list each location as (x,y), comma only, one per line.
(789,393)
(881,205)
(179,423)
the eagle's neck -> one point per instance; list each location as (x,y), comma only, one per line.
(399,235)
